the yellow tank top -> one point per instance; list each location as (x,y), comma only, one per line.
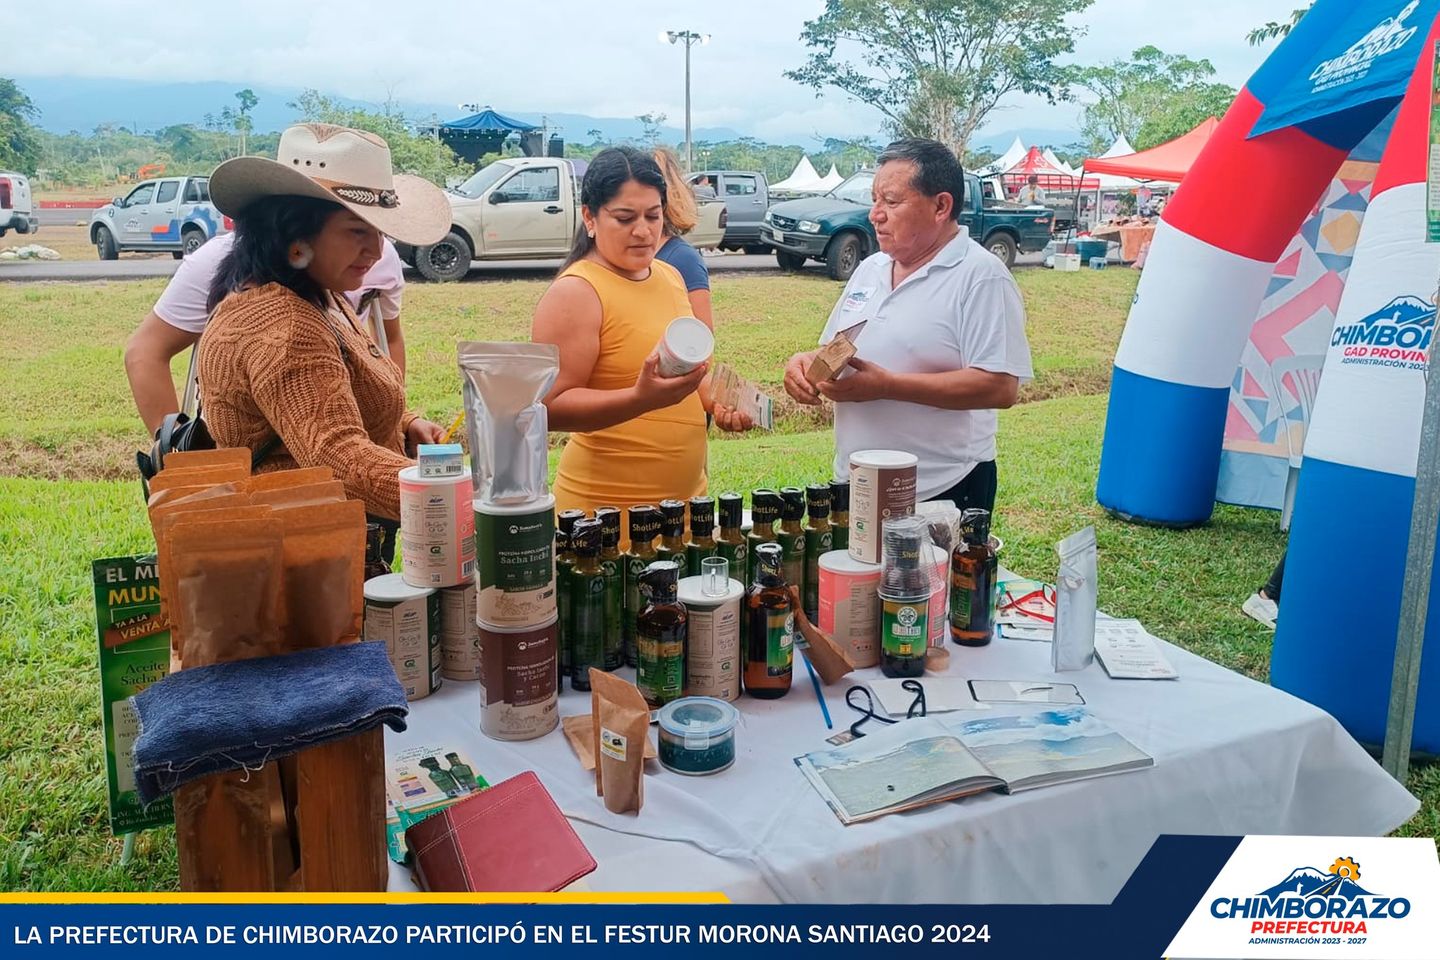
(657,455)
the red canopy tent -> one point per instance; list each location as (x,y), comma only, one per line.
(1049,176)
(1168,162)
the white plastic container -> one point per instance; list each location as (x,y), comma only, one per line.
(882,485)
(687,344)
(407,620)
(437,529)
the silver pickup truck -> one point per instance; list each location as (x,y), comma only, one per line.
(173,213)
(523,208)
(16,211)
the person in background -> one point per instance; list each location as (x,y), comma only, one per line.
(286,368)
(1264,604)
(681,216)
(703,188)
(943,345)
(178,318)
(635,436)
(1031,194)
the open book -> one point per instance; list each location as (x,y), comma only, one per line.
(923,761)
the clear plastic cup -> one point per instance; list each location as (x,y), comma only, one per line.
(714,576)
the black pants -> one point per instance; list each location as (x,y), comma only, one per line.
(976,490)
(1272,586)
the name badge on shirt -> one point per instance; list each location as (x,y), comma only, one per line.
(856,299)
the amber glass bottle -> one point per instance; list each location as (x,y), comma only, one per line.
(660,635)
(973,568)
(904,597)
(770,616)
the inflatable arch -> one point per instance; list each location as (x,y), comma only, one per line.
(1339,75)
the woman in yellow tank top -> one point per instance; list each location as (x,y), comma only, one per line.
(635,436)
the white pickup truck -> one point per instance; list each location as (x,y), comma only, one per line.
(16,211)
(523,208)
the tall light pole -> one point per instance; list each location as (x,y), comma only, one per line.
(689,38)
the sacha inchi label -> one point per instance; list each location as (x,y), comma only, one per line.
(516,561)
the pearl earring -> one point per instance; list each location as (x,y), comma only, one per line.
(300,255)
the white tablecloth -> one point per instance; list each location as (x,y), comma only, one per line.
(1232,757)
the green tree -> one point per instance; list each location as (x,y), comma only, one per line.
(1274,29)
(651,124)
(19,139)
(936,68)
(1150,98)
(420,154)
(242,121)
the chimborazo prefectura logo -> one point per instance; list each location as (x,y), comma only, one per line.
(1396,335)
(1329,905)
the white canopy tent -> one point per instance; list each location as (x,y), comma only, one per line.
(803,179)
(1008,159)
(1109,181)
(1049,155)
(832,179)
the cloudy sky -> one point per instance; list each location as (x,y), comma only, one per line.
(603,59)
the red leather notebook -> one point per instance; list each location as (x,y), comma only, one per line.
(511,838)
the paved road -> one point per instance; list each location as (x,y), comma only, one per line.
(130,268)
(56,217)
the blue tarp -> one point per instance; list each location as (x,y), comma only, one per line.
(488,120)
(1344,66)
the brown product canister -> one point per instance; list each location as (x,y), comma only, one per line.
(882,485)
(407,620)
(459,634)
(515,562)
(850,606)
(518,681)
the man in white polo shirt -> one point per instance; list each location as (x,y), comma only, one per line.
(943,346)
(178,318)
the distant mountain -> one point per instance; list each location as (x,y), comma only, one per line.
(83,103)
(1300,881)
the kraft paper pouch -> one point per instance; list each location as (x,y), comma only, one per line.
(826,656)
(301,476)
(219,457)
(174,494)
(579,730)
(324,572)
(620,724)
(508,426)
(1076,589)
(163,519)
(195,477)
(310,494)
(228,602)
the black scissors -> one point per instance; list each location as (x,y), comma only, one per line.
(867,709)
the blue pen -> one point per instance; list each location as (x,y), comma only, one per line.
(815,682)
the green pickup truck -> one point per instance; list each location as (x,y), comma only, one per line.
(836,230)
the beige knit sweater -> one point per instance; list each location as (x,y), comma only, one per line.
(270,364)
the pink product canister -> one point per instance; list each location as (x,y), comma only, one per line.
(939,597)
(437,529)
(850,605)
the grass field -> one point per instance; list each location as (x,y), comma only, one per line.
(67,417)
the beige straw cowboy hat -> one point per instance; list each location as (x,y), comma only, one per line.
(342,165)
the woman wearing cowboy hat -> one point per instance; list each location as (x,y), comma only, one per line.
(284,357)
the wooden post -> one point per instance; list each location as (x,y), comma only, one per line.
(224,832)
(340,814)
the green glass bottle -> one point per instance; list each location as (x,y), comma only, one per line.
(904,597)
(839,514)
(791,534)
(764,511)
(461,772)
(702,533)
(770,644)
(564,563)
(819,540)
(672,533)
(609,518)
(644,528)
(660,632)
(731,542)
(587,604)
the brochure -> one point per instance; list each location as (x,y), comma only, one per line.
(1128,651)
(918,762)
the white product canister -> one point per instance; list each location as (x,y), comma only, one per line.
(407,620)
(515,562)
(714,660)
(882,485)
(850,605)
(437,529)
(459,633)
(687,343)
(519,682)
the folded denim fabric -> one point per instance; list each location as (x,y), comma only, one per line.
(243,714)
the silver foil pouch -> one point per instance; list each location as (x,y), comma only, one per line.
(503,385)
(1076,591)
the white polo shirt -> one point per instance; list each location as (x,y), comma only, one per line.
(960,310)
